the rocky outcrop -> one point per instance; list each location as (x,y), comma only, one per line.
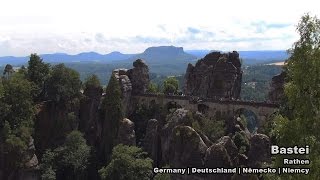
(31,165)
(231,148)
(186,150)
(126,133)
(217,75)
(234,124)
(126,87)
(151,140)
(179,117)
(30,169)
(259,150)
(132,82)
(89,122)
(139,76)
(31,160)
(277,84)
(216,157)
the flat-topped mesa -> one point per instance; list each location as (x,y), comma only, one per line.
(217,75)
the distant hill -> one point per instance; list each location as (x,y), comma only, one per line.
(164,54)
(66,58)
(198,53)
(168,55)
(259,57)
(250,57)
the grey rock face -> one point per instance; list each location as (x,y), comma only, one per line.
(277,84)
(150,143)
(126,133)
(178,117)
(186,150)
(132,82)
(139,77)
(217,157)
(125,86)
(231,148)
(89,114)
(31,160)
(259,150)
(217,75)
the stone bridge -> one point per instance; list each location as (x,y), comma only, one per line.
(211,107)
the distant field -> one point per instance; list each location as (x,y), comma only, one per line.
(277,63)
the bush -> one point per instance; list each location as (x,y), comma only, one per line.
(127,162)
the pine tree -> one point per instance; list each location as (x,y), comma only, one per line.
(38,73)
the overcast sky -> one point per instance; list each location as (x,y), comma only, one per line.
(130,26)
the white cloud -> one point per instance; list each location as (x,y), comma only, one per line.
(74,26)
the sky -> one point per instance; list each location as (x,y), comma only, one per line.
(131,26)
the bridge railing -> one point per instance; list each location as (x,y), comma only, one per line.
(213,100)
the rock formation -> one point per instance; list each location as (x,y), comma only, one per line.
(186,150)
(132,82)
(259,150)
(139,76)
(216,157)
(277,84)
(30,156)
(126,133)
(179,117)
(31,166)
(89,114)
(150,142)
(217,75)
(231,148)
(126,87)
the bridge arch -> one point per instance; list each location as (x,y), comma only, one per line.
(172,105)
(250,117)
